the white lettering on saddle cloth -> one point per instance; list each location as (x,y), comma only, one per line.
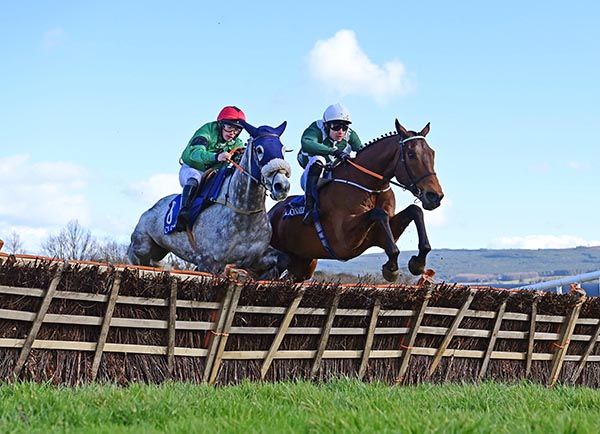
(293,211)
(171,216)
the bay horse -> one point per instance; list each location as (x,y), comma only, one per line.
(357,208)
(235,230)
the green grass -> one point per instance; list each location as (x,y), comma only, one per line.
(339,406)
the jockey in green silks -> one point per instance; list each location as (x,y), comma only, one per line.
(322,142)
(210,146)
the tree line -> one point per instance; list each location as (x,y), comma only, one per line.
(75,242)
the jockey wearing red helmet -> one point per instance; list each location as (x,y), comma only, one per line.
(210,146)
(231,115)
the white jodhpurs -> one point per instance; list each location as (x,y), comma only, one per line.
(186,172)
(311,161)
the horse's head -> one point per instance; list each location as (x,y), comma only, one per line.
(414,167)
(267,160)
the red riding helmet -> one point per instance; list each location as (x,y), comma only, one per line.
(231,115)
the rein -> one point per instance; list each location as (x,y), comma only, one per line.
(251,141)
(249,174)
(412,187)
(242,170)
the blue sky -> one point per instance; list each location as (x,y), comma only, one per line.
(98,99)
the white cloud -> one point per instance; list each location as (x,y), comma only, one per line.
(540,167)
(40,194)
(541,242)
(341,65)
(580,166)
(53,38)
(150,190)
(31,237)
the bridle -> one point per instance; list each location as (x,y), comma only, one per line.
(253,160)
(412,187)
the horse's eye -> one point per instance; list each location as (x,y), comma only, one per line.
(260,152)
(412,155)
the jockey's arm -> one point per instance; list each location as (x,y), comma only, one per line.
(198,155)
(311,143)
(354,141)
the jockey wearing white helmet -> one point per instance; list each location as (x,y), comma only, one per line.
(322,142)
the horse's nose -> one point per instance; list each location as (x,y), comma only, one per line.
(281,186)
(434,197)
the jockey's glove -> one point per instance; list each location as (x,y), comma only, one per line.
(341,155)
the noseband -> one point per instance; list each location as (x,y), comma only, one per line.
(412,187)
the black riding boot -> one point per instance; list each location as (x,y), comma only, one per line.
(189,192)
(312,178)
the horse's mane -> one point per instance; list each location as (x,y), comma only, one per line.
(373,141)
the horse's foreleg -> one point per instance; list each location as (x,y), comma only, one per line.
(399,222)
(271,264)
(144,251)
(390,268)
(300,269)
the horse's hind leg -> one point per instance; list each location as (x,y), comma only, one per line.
(399,222)
(390,269)
(144,251)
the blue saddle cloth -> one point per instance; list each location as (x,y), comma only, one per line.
(294,207)
(208,194)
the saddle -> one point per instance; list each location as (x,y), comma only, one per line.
(208,192)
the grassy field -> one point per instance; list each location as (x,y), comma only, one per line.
(340,406)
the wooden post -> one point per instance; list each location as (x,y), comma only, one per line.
(235,298)
(490,348)
(110,307)
(171,328)
(369,340)
(586,354)
(407,350)
(287,319)
(39,319)
(217,332)
(531,337)
(325,334)
(563,345)
(450,334)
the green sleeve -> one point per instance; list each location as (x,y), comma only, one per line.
(355,142)
(312,141)
(201,156)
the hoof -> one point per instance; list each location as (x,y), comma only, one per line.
(389,275)
(416,266)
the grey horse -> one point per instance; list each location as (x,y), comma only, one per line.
(235,230)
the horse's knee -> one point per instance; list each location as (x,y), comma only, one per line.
(378,214)
(415,211)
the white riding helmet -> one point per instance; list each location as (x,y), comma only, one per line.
(337,112)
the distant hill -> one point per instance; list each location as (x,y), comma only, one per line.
(483,265)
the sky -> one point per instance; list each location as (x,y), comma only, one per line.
(99,99)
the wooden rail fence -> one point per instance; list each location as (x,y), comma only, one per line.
(363,335)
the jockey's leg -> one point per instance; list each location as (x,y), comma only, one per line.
(399,222)
(390,268)
(312,178)
(189,192)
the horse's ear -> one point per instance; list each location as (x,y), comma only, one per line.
(251,129)
(281,128)
(401,130)
(425,130)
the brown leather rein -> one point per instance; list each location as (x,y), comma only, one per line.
(412,187)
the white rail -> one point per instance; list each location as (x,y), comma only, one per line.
(559,283)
